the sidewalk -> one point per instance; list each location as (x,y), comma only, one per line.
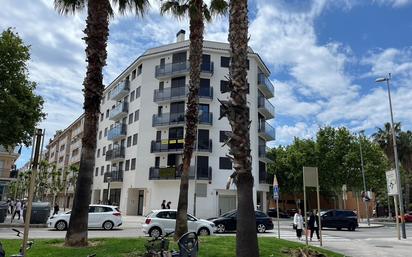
(372,225)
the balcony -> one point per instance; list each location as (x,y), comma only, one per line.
(172,119)
(263,151)
(181,68)
(120,91)
(115,176)
(117,132)
(179,93)
(205,146)
(264,177)
(176,146)
(172,173)
(265,86)
(266,108)
(266,131)
(120,111)
(115,154)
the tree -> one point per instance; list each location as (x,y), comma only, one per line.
(97,32)
(237,112)
(383,137)
(197,11)
(20,108)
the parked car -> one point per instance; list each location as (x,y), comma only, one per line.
(407,217)
(291,212)
(339,219)
(273,213)
(161,222)
(227,222)
(100,216)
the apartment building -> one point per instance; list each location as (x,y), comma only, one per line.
(141,130)
(63,150)
(8,171)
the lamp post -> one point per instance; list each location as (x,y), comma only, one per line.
(109,179)
(363,177)
(395,151)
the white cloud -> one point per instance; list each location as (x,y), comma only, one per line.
(393,3)
(285,134)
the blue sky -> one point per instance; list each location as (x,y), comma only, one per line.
(324,56)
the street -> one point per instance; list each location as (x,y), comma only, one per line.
(363,242)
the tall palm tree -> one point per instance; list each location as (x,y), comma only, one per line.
(237,112)
(97,32)
(383,137)
(197,11)
(405,156)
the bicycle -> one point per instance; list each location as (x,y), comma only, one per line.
(159,247)
(29,244)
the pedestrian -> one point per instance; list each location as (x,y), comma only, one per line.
(8,205)
(17,210)
(56,209)
(168,205)
(298,224)
(163,205)
(313,224)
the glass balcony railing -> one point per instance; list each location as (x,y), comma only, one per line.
(120,111)
(174,69)
(168,119)
(115,154)
(266,131)
(114,176)
(205,146)
(266,108)
(179,93)
(120,91)
(170,173)
(265,85)
(117,132)
(167,145)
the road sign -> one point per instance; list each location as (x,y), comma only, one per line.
(276,192)
(391,182)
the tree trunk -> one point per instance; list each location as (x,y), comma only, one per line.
(237,112)
(97,32)
(192,116)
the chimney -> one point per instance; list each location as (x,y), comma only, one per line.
(180,36)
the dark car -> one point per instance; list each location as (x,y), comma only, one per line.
(339,219)
(227,222)
(291,212)
(273,213)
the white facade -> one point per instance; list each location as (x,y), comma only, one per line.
(141,175)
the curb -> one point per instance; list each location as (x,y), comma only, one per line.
(371,226)
(20,225)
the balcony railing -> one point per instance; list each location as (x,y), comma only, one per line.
(175,69)
(117,132)
(120,91)
(265,85)
(206,118)
(120,111)
(171,173)
(115,154)
(266,131)
(264,177)
(168,119)
(179,93)
(266,108)
(205,146)
(115,176)
(263,153)
(176,145)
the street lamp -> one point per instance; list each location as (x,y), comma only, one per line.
(363,177)
(109,179)
(395,151)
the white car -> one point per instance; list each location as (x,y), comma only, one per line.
(100,216)
(161,222)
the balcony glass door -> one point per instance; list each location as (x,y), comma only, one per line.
(202,167)
(204,113)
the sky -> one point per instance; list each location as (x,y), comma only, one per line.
(324,56)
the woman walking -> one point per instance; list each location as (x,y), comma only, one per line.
(298,224)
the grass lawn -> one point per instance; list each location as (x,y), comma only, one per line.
(122,247)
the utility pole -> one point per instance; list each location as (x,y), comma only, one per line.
(364,180)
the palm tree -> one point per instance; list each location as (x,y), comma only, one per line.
(97,32)
(383,137)
(237,112)
(405,156)
(198,11)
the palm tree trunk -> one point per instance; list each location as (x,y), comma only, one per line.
(97,32)
(195,59)
(237,113)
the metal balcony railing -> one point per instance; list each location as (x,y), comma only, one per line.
(167,145)
(115,176)
(174,69)
(120,111)
(266,131)
(265,85)
(179,93)
(266,107)
(117,132)
(175,172)
(115,154)
(120,90)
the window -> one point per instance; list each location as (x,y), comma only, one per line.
(98,153)
(101,116)
(135,139)
(201,190)
(108,96)
(224,86)
(101,170)
(132,96)
(62,148)
(139,69)
(107,168)
(104,151)
(129,141)
(137,92)
(224,61)
(61,159)
(96,172)
(100,134)
(248,63)
(133,74)
(105,131)
(103,97)
(136,115)
(107,113)
(224,136)
(109,147)
(225,163)
(126,166)
(133,164)
(166,215)
(75,152)
(131,118)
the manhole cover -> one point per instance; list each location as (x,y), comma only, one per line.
(384,246)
